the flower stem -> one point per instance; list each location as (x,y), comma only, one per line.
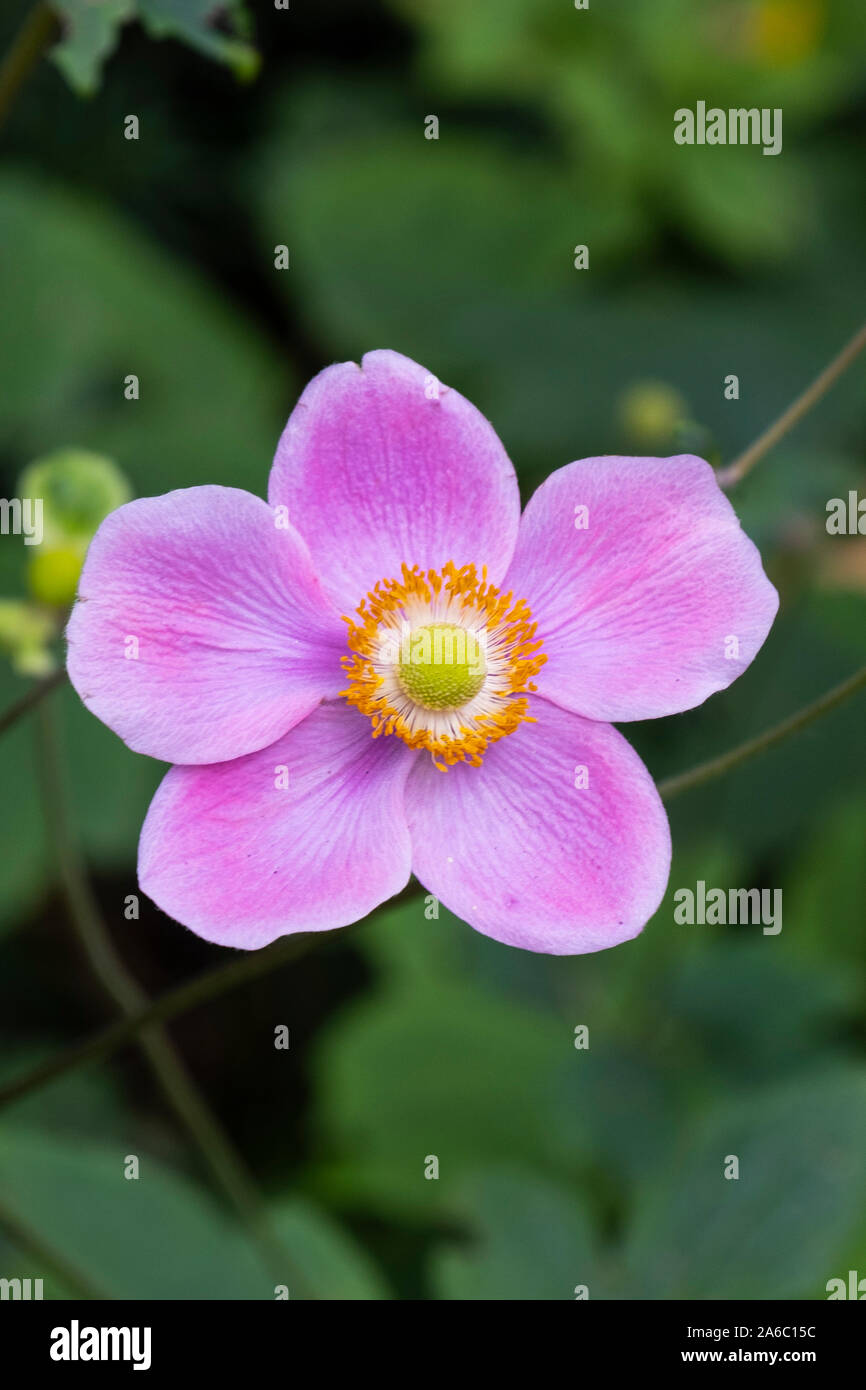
(241,969)
(250,966)
(30,699)
(737,470)
(40,27)
(726,762)
(225,1164)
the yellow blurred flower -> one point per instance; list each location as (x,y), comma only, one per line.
(25,636)
(783,32)
(53,572)
(77,489)
(650,412)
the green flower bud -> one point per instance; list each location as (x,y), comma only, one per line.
(78,490)
(53,572)
(650,412)
(25,634)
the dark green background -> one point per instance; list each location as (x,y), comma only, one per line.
(413,1037)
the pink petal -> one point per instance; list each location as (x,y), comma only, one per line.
(241,859)
(380,465)
(641,611)
(524,855)
(236,642)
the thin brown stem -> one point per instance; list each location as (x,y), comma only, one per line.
(737,470)
(240,970)
(35,36)
(726,762)
(30,699)
(245,968)
(217,1151)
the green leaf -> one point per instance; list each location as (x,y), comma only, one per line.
(335,1268)
(736,205)
(92,29)
(614,1108)
(827,892)
(754,1008)
(192,22)
(85,1103)
(430,246)
(213,396)
(779,1229)
(409,949)
(528,1239)
(18,1264)
(459,252)
(472,1084)
(157,1236)
(91,32)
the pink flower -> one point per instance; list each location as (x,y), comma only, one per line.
(463,732)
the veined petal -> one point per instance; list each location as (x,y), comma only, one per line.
(306,835)
(200,631)
(650,599)
(559,843)
(381,465)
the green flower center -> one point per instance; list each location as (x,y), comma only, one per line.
(441,666)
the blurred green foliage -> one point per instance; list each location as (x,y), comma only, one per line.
(411,1036)
(91,32)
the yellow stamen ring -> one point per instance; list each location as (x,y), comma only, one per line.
(443,660)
